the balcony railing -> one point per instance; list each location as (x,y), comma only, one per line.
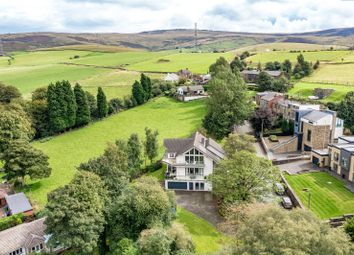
(185,177)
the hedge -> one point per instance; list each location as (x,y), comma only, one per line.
(11,221)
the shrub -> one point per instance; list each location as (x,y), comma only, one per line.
(11,221)
(349,228)
(273,138)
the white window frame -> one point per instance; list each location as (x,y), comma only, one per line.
(171,154)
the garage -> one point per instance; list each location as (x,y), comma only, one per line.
(177,185)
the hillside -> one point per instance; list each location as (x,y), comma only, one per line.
(171,39)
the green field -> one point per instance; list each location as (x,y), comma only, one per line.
(333,73)
(312,56)
(329,196)
(196,62)
(302,90)
(67,151)
(205,237)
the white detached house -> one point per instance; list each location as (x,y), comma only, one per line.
(189,162)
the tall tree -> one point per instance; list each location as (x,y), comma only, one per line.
(243,177)
(229,103)
(102,107)
(145,82)
(38,111)
(70,103)
(14,124)
(264,81)
(21,159)
(142,205)
(83,109)
(346,112)
(286,66)
(111,167)
(75,213)
(237,63)
(262,119)
(151,145)
(56,108)
(7,93)
(235,143)
(263,232)
(92,103)
(138,93)
(134,155)
(221,64)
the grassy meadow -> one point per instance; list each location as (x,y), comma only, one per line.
(329,196)
(333,73)
(67,151)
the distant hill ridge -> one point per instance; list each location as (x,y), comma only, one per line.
(171,39)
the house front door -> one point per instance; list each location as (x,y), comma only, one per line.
(191,186)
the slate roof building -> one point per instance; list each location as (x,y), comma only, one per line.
(18,203)
(189,161)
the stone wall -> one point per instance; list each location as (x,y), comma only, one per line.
(286,146)
(320,136)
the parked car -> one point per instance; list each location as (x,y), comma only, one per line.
(279,189)
(286,202)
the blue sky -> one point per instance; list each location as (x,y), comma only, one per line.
(129,16)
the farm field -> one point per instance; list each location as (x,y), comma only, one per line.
(205,237)
(67,151)
(313,56)
(333,73)
(196,62)
(302,90)
(329,196)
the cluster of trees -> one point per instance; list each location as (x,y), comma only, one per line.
(20,159)
(106,206)
(266,82)
(142,91)
(286,66)
(229,103)
(345,110)
(302,68)
(265,229)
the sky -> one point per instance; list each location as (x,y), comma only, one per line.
(130,16)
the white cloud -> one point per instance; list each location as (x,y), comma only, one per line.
(143,15)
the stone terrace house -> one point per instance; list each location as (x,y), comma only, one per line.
(26,238)
(339,158)
(189,162)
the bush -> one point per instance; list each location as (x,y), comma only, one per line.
(154,167)
(11,221)
(273,138)
(349,228)
(115,105)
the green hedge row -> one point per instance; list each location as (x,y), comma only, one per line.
(11,221)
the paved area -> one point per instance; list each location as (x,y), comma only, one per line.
(202,204)
(298,166)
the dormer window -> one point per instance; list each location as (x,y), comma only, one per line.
(171,155)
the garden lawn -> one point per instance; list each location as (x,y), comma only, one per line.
(67,151)
(205,237)
(329,196)
(313,56)
(196,62)
(305,89)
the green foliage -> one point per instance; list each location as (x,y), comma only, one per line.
(112,167)
(243,177)
(83,108)
(145,82)
(287,66)
(268,231)
(115,105)
(22,159)
(262,119)
(287,126)
(134,151)
(70,104)
(264,81)
(92,103)
(102,107)
(237,63)
(244,55)
(142,205)
(221,64)
(7,93)
(125,247)
(155,241)
(75,213)
(345,110)
(14,124)
(151,145)
(11,221)
(302,68)
(40,94)
(229,103)
(235,143)
(316,65)
(138,93)
(349,228)
(38,111)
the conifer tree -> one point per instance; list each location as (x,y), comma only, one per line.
(138,93)
(83,109)
(57,122)
(102,107)
(145,82)
(69,101)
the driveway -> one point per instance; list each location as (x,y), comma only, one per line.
(298,166)
(202,204)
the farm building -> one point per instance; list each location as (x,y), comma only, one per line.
(251,76)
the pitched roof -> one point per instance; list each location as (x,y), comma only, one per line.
(256,72)
(171,77)
(192,88)
(315,115)
(197,140)
(18,203)
(14,238)
(270,96)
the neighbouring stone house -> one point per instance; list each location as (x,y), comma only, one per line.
(251,76)
(190,161)
(269,99)
(338,157)
(185,74)
(26,238)
(189,93)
